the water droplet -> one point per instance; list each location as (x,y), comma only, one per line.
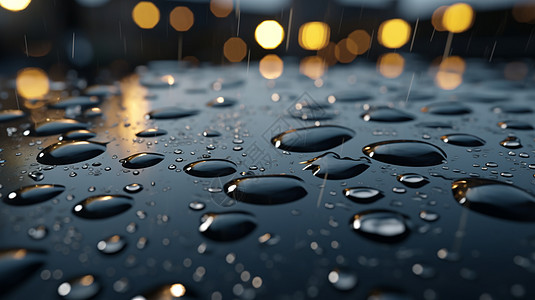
(102,91)
(102,206)
(312,139)
(512,109)
(462,139)
(227,226)
(511,142)
(386,114)
(171,113)
(423,271)
(266,189)
(93,112)
(38,232)
(342,280)
(399,190)
(494,198)
(429,216)
(350,96)
(447,108)
(68,152)
(515,124)
(168,292)
(133,188)
(388,294)
(79,288)
(51,127)
(195,205)
(381,225)
(33,194)
(142,160)
(210,168)
(82,101)
(269,239)
(412,180)
(152,132)
(10,115)
(331,166)
(112,245)
(221,102)
(211,133)
(17,265)
(36,175)
(410,153)
(363,195)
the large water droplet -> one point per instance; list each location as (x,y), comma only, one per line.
(515,124)
(33,194)
(386,114)
(151,132)
(10,115)
(168,292)
(331,166)
(494,198)
(80,134)
(210,168)
(68,152)
(142,160)
(462,139)
(381,225)
(133,188)
(447,108)
(266,189)
(222,102)
(412,180)
(102,206)
(111,245)
(17,265)
(312,139)
(406,153)
(350,96)
(51,127)
(511,142)
(363,195)
(79,288)
(227,226)
(342,280)
(82,101)
(171,113)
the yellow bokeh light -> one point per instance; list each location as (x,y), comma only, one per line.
(438,18)
(342,53)
(524,12)
(453,64)
(361,39)
(391,65)
(450,73)
(235,49)
(32,83)
(269,34)
(314,35)
(312,67)
(271,66)
(177,290)
(394,33)
(146,15)
(221,8)
(327,54)
(181,18)
(15,5)
(458,18)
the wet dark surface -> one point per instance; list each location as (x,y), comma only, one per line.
(131,221)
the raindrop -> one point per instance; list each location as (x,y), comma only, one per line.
(412,180)
(228,226)
(17,265)
(350,96)
(312,139)
(36,175)
(80,134)
(386,114)
(10,115)
(211,133)
(33,194)
(429,216)
(342,280)
(168,292)
(363,195)
(511,142)
(51,127)
(462,139)
(68,152)
(410,153)
(82,101)
(210,168)
(142,160)
(515,124)
(79,288)
(423,271)
(38,232)
(171,113)
(133,188)
(266,189)
(195,205)
(447,108)
(331,166)
(381,225)
(112,245)
(102,206)
(151,132)
(222,102)
(511,109)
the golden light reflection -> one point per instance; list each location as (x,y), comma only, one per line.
(271,66)
(312,66)
(524,12)
(516,70)
(15,5)
(181,18)
(394,33)
(458,17)
(177,290)
(269,34)
(314,35)
(235,49)
(87,280)
(327,54)
(342,53)
(38,49)
(361,39)
(221,8)
(32,83)
(391,65)
(19,254)
(437,18)
(450,73)
(146,15)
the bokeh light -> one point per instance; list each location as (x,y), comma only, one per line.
(15,5)
(524,11)
(458,18)
(342,53)
(235,49)
(314,35)
(271,66)
(327,54)
(181,18)
(177,290)
(221,8)
(312,66)
(516,70)
(32,83)
(394,33)
(450,73)
(391,65)
(362,41)
(146,15)
(269,34)
(437,20)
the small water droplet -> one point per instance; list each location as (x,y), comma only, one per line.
(102,206)
(79,288)
(363,195)
(429,216)
(33,194)
(227,226)
(171,113)
(36,175)
(152,132)
(196,205)
(142,160)
(381,225)
(221,102)
(312,139)
(515,124)
(133,188)
(38,232)
(386,114)
(412,180)
(266,189)
(211,133)
(462,139)
(112,245)
(511,142)
(342,280)
(211,168)
(331,166)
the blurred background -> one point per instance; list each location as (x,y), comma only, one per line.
(104,39)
